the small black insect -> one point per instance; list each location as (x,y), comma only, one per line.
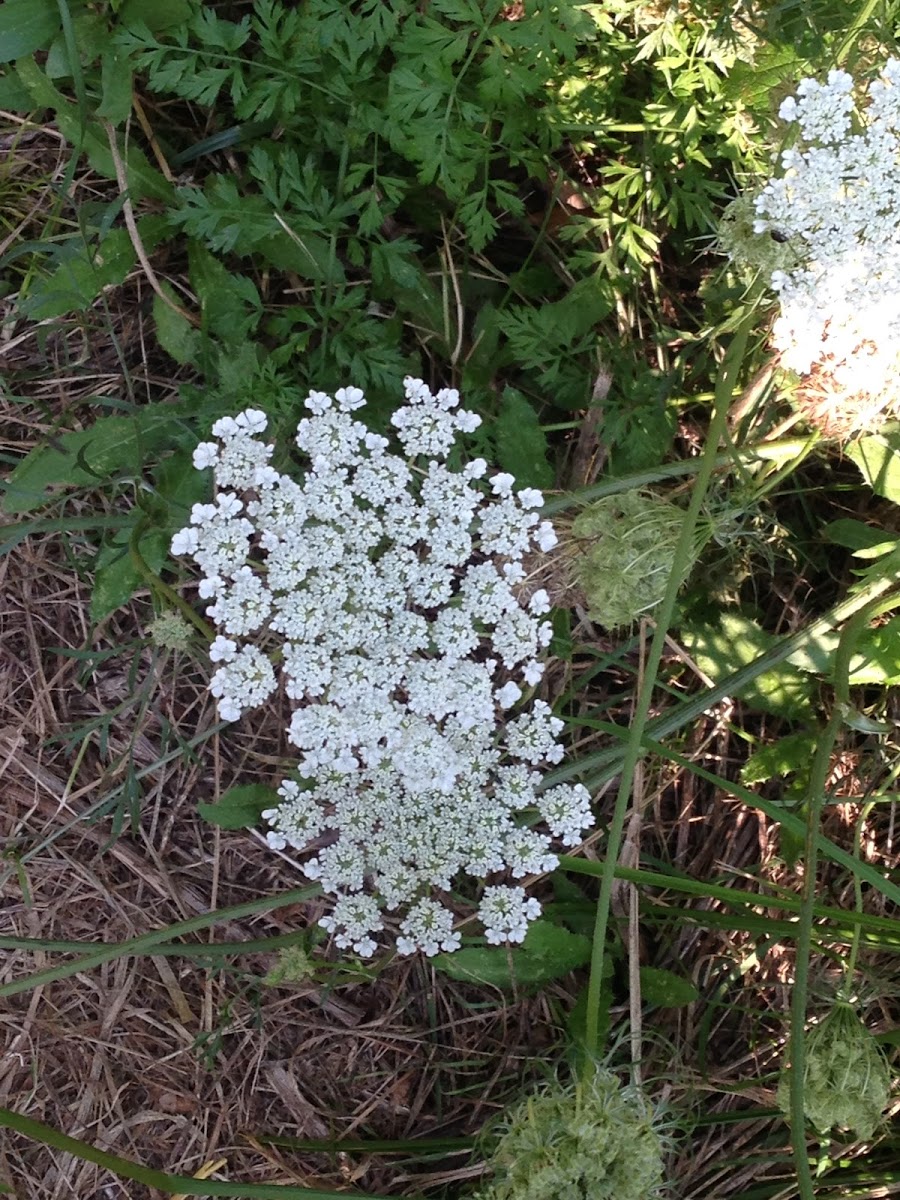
(778,235)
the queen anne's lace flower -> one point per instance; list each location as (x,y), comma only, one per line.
(393,598)
(836,211)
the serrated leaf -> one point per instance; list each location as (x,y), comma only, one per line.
(240,807)
(82,275)
(26,26)
(878,458)
(548,952)
(754,82)
(87,457)
(786,755)
(735,642)
(117,578)
(521,443)
(666,989)
(115,77)
(229,304)
(175,333)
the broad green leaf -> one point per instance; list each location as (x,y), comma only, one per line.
(863,724)
(91,35)
(877,657)
(780,758)
(402,280)
(666,989)
(481,362)
(116,578)
(240,807)
(754,82)
(82,275)
(229,304)
(548,952)
(521,443)
(175,333)
(13,96)
(736,642)
(88,457)
(864,540)
(180,485)
(26,26)
(878,458)
(308,254)
(115,76)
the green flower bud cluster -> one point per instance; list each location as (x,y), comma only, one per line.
(764,252)
(294,965)
(170,631)
(591,1141)
(847,1079)
(624,547)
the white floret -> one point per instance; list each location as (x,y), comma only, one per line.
(244,682)
(353,920)
(428,926)
(505,913)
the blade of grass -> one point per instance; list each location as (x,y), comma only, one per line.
(149,941)
(594,770)
(846,920)
(790,449)
(789,821)
(189,1185)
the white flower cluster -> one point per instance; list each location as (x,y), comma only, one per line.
(390,592)
(837,205)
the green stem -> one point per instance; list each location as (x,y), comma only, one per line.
(818,779)
(850,969)
(725,385)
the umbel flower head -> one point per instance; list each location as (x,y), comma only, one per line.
(390,592)
(847,1079)
(593,1140)
(737,238)
(836,208)
(622,551)
(170,631)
